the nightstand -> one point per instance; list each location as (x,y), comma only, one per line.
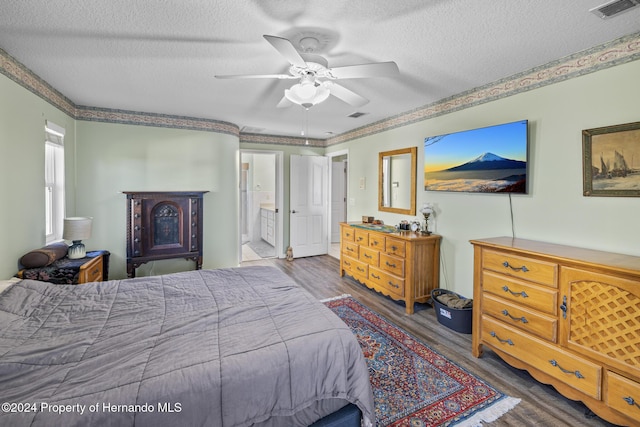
(92,268)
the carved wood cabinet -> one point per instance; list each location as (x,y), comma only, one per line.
(569,316)
(163,225)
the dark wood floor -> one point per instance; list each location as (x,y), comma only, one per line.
(541,405)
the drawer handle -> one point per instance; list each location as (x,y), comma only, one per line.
(347,263)
(394,248)
(576,373)
(390,265)
(508,341)
(524,269)
(630,401)
(522,294)
(349,249)
(563,307)
(360,239)
(368,256)
(393,284)
(375,277)
(375,243)
(360,269)
(517,319)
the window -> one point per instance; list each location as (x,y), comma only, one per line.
(54,181)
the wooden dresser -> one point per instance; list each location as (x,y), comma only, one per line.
(402,265)
(569,316)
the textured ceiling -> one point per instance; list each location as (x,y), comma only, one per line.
(161,56)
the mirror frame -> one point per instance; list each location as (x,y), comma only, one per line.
(414,162)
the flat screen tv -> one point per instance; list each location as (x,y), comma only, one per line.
(486,160)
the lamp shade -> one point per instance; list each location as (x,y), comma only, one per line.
(77,228)
(306,93)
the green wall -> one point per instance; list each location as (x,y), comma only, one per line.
(113,158)
(22,221)
(555,210)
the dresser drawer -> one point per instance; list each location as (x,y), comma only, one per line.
(355,267)
(387,281)
(623,395)
(91,271)
(370,256)
(542,272)
(545,327)
(567,367)
(395,247)
(351,249)
(348,234)
(539,297)
(376,242)
(362,237)
(392,264)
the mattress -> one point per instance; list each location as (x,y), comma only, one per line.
(228,347)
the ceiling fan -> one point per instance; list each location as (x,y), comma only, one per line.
(317,80)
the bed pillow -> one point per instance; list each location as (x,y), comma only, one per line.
(45,255)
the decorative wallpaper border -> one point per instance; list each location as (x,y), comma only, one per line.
(620,51)
(616,52)
(106,115)
(26,78)
(256,138)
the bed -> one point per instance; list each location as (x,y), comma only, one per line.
(228,347)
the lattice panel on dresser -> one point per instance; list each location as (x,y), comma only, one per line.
(606,319)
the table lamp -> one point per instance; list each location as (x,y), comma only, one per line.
(77,229)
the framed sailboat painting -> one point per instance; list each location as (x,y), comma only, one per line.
(611,160)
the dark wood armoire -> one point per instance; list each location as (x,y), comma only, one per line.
(163,225)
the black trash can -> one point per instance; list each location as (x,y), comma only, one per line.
(458,319)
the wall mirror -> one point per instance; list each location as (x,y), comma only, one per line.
(397,181)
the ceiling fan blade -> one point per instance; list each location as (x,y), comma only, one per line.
(284,103)
(287,50)
(256,76)
(374,69)
(347,95)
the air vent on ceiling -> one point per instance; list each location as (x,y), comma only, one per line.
(613,8)
(356,115)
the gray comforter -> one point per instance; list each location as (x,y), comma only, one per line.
(230,347)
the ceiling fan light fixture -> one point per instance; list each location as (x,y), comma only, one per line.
(306,93)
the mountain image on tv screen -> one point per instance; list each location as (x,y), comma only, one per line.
(485,160)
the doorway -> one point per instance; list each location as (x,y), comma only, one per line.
(260,204)
(338,198)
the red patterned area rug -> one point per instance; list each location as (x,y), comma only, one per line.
(412,384)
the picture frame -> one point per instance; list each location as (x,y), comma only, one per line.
(611,160)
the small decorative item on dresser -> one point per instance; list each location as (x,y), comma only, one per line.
(427,210)
(367,219)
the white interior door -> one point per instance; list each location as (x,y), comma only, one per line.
(309,202)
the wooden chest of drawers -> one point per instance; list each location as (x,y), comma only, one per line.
(401,265)
(569,316)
